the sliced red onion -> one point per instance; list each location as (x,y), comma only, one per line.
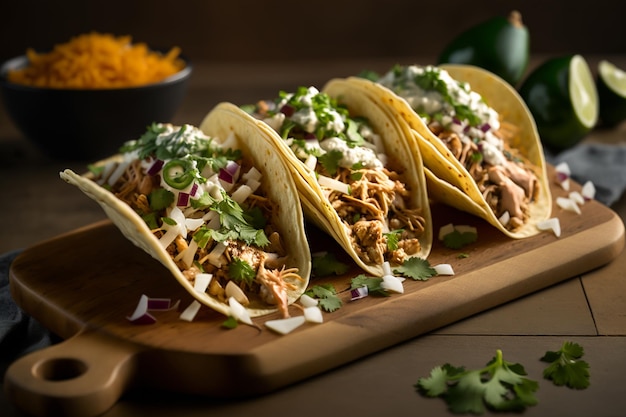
(141,314)
(156,167)
(160,304)
(358,293)
(194,189)
(310,136)
(485,127)
(562,172)
(226,176)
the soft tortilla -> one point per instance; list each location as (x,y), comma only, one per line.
(448,180)
(403,157)
(277,183)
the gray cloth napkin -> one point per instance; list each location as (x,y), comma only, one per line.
(19,333)
(602,164)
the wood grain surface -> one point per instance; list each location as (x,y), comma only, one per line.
(82,285)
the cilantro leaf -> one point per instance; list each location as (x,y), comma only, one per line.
(393,237)
(241,271)
(372,284)
(330,161)
(160,198)
(566,366)
(416,268)
(499,386)
(327,264)
(327,296)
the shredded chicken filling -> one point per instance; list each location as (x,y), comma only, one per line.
(272,278)
(378,204)
(507,188)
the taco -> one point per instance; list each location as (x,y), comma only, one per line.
(215,203)
(480,145)
(357,176)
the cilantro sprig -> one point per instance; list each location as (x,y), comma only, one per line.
(499,386)
(327,296)
(566,366)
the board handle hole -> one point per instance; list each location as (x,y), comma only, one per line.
(60,369)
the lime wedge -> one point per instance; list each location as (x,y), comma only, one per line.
(562,96)
(583,92)
(611,85)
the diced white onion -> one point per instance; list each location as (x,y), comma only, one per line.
(393,284)
(463,228)
(233,290)
(284,326)
(242,193)
(253,174)
(193,224)
(333,184)
(444,269)
(588,191)
(308,301)
(238,311)
(311,162)
(215,254)
(313,314)
(253,184)
(187,255)
(202,281)
(550,224)
(577,197)
(387,268)
(190,312)
(505,218)
(568,204)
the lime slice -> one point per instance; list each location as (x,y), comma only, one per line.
(583,92)
(611,84)
(562,96)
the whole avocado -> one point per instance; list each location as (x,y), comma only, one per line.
(500,45)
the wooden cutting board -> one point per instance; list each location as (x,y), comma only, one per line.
(82,286)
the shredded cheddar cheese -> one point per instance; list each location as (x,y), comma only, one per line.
(97,61)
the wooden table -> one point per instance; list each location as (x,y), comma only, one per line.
(589,309)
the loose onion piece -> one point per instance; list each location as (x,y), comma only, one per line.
(563,174)
(308,301)
(444,269)
(577,197)
(284,326)
(568,204)
(313,314)
(393,284)
(141,314)
(239,312)
(588,191)
(146,304)
(202,281)
(358,293)
(445,230)
(190,312)
(551,224)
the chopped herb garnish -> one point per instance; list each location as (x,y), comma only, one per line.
(566,366)
(241,271)
(327,296)
(418,269)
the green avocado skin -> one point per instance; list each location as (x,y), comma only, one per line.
(495,45)
(546,93)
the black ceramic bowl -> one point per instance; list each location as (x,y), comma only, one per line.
(76,124)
